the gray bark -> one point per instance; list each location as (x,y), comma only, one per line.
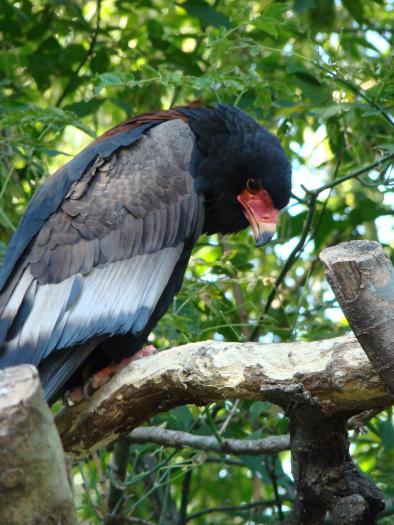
(326,478)
(336,372)
(179,439)
(34,485)
(362,278)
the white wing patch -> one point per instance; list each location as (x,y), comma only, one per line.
(115,299)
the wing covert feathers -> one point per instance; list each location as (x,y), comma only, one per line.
(99,264)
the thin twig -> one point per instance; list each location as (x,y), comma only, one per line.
(297,250)
(357,90)
(185,497)
(89,52)
(138,521)
(119,460)
(365,27)
(288,264)
(212,425)
(232,508)
(179,439)
(102,479)
(228,419)
(199,41)
(238,296)
(222,461)
(354,174)
(274,482)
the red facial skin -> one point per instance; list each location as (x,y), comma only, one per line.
(258,208)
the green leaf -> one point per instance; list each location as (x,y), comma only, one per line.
(355,8)
(264,98)
(268,25)
(303,5)
(206,14)
(276,10)
(106,80)
(386,433)
(83,109)
(183,416)
(257,408)
(100,61)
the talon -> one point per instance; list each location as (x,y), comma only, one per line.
(86,389)
(144,352)
(74,396)
(102,376)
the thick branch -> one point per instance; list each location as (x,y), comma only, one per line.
(326,478)
(362,278)
(34,486)
(178,439)
(336,372)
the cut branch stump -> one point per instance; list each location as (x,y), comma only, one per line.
(34,485)
(362,278)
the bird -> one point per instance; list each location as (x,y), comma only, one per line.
(104,243)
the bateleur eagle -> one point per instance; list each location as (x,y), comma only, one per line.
(104,244)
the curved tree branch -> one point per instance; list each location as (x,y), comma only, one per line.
(336,372)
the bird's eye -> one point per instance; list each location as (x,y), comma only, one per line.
(253,185)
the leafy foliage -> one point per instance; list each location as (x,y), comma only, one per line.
(318,73)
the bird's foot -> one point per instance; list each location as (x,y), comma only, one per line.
(74,396)
(103,376)
(81,393)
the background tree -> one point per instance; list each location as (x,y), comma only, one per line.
(320,74)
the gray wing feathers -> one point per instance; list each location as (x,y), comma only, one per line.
(139,199)
(115,299)
(100,264)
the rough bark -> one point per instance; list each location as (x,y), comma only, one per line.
(326,478)
(362,278)
(336,373)
(34,486)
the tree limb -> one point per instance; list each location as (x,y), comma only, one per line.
(320,385)
(336,372)
(178,439)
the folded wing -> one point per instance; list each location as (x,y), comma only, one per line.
(99,264)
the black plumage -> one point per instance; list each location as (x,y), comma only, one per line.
(104,244)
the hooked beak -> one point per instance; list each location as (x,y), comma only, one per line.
(261,214)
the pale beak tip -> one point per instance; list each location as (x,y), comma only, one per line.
(263,238)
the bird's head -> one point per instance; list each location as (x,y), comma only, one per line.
(242,170)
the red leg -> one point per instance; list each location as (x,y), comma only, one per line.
(102,376)
(76,395)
